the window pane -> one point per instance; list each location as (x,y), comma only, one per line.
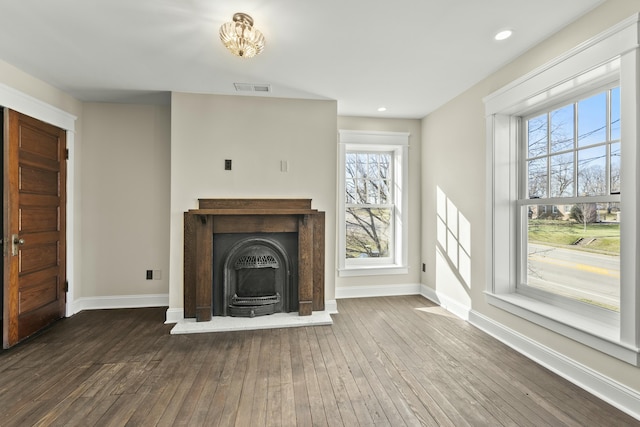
(592,163)
(384,162)
(385,165)
(351,190)
(537,178)
(385,195)
(615,113)
(350,166)
(592,120)
(366,178)
(361,165)
(374,168)
(562,175)
(373,193)
(368,232)
(615,168)
(576,254)
(361,191)
(537,136)
(562,129)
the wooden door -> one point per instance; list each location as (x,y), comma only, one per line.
(34,226)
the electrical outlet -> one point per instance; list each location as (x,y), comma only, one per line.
(149,274)
(227,165)
(157,274)
(424,267)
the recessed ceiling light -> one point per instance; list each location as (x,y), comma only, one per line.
(382,109)
(503,35)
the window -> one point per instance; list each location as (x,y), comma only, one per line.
(571,162)
(373,176)
(369,205)
(561,176)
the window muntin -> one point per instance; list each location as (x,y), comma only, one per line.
(570,207)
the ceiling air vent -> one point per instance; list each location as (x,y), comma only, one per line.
(252,87)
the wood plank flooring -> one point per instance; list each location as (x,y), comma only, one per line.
(385,362)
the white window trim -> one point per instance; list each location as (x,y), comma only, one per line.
(398,143)
(611,55)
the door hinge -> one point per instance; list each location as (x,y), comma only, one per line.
(66,286)
(66,153)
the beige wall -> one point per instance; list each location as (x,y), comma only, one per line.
(454,159)
(256,134)
(125,204)
(415,145)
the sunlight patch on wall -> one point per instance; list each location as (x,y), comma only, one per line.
(453,235)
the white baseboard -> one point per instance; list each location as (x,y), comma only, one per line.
(175,315)
(449,304)
(119,301)
(331,306)
(377,291)
(612,392)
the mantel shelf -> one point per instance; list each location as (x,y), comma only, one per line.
(253,211)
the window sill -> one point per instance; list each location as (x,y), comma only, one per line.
(372,270)
(578,327)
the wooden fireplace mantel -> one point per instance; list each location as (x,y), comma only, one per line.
(216,216)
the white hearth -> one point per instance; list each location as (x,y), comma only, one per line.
(272,321)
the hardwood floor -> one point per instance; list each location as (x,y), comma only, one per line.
(386,361)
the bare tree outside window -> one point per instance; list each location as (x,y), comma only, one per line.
(369,210)
(592,166)
(584,213)
(537,136)
(562,130)
(562,175)
(615,168)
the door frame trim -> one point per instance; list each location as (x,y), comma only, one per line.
(30,106)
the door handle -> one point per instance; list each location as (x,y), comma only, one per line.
(16,241)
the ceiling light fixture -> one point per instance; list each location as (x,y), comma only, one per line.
(382,109)
(503,35)
(240,37)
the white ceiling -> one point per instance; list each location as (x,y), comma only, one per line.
(410,56)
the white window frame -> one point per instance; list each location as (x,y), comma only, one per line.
(396,143)
(608,57)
